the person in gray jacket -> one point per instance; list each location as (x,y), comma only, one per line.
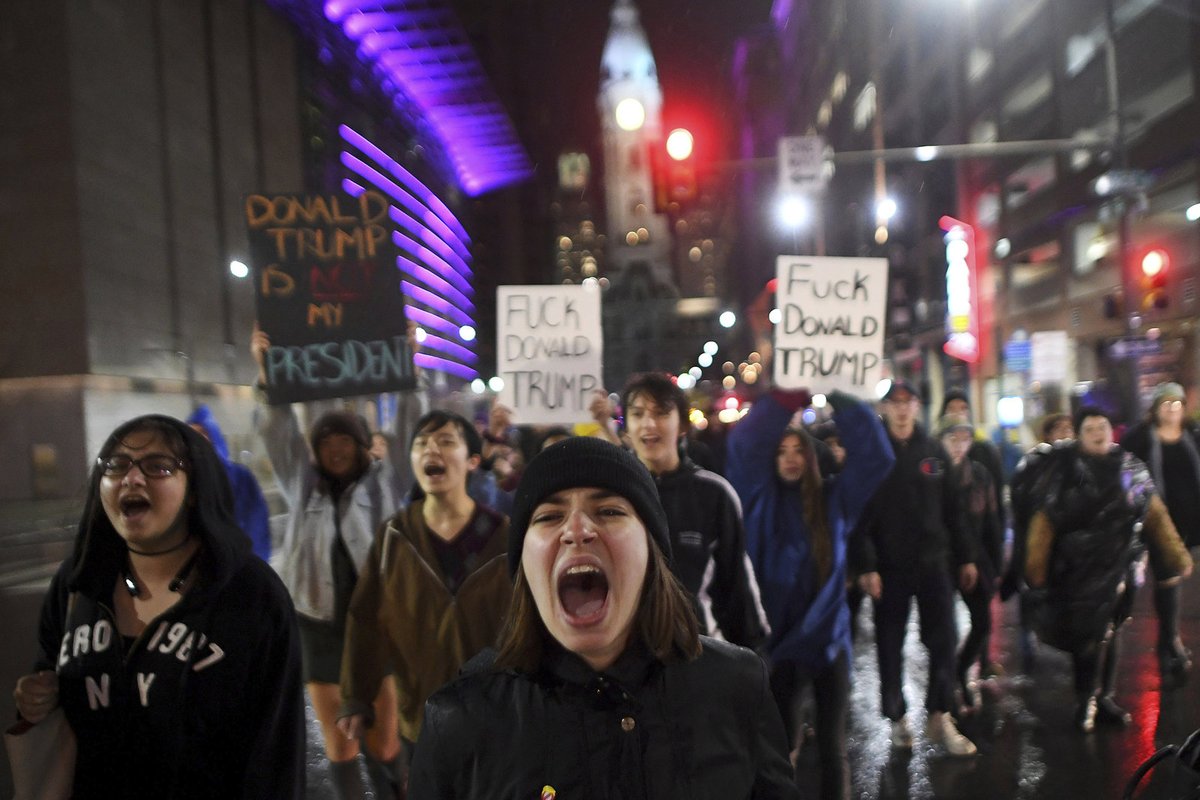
(337,497)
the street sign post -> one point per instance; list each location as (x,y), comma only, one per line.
(802,164)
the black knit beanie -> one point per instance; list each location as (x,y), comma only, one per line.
(586,461)
(346,422)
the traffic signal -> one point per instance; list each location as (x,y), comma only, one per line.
(674,164)
(1156,263)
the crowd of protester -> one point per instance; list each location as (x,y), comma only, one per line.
(627,609)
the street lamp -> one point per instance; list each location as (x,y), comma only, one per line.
(631,114)
(794,211)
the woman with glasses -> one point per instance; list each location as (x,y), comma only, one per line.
(170,647)
(1169,443)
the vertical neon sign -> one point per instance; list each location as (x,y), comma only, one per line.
(962,317)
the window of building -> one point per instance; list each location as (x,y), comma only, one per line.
(1014,23)
(864,107)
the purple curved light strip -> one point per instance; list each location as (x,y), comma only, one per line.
(422,295)
(426,361)
(372,151)
(398,193)
(449,347)
(431,260)
(435,283)
(414,227)
(427,319)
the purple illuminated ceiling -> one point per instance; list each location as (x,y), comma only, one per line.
(419,56)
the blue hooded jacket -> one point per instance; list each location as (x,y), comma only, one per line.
(810,624)
(250,507)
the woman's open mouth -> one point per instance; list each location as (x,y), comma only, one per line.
(434,470)
(583,594)
(134,506)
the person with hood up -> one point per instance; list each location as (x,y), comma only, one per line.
(170,647)
(337,496)
(602,686)
(1098,514)
(797,525)
(249,506)
(1169,444)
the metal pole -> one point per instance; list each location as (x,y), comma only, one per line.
(1121,155)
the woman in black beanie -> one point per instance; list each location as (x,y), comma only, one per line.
(602,686)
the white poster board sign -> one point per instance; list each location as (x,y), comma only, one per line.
(830,330)
(549,349)
(1049,356)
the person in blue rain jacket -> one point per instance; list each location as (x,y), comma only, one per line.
(249,506)
(796,527)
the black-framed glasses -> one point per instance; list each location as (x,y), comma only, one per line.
(152,467)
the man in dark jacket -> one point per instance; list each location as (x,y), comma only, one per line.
(911,533)
(703,512)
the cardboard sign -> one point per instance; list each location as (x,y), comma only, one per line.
(830,331)
(549,350)
(328,295)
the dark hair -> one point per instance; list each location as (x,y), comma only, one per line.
(555,432)
(99,549)
(954,394)
(1050,422)
(1089,411)
(659,388)
(665,621)
(437,419)
(341,423)
(812,501)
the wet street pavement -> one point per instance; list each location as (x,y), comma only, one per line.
(1028,747)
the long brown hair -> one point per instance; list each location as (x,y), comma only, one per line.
(665,622)
(812,499)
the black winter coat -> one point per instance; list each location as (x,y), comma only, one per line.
(914,523)
(707,728)
(708,553)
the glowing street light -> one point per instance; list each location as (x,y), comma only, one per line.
(711,348)
(727,319)
(238,269)
(631,115)
(794,211)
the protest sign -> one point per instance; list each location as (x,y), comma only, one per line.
(549,349)
(830,330)
(328,295)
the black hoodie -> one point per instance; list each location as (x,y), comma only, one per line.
(208,700)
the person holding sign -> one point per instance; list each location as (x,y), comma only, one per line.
(170,647)
(336,499)
(911,532)
(703,512)
(602,686)
(797,524)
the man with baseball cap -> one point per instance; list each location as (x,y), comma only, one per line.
(910,536)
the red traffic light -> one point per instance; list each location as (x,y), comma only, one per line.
(680,143)
(1155,263)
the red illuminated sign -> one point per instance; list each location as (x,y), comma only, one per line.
(962,304)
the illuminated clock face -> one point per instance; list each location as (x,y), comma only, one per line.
(630,114)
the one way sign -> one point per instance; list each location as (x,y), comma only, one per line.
(802,164)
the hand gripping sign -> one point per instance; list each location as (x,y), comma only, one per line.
(549,348)
(831,320)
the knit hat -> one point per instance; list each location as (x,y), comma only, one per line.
(586,461)
(952,395)
(346,422)
(953,422)
(1167,391)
